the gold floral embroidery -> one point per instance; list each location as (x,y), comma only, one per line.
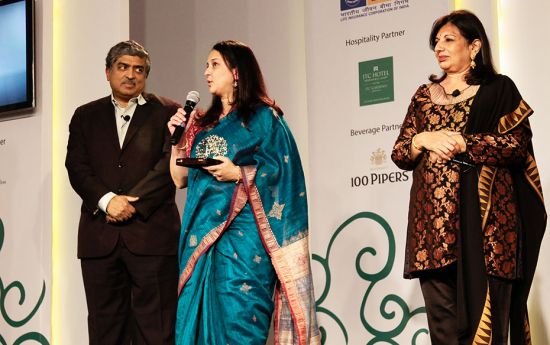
(276,211)
(245,288)
(193,241)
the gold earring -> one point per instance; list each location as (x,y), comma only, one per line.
(473,62)
(235,84)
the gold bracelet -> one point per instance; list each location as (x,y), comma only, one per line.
(414,144)
(240,177)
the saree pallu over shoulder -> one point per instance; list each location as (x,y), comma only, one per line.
(295,320)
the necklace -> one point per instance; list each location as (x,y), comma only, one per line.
(457,92)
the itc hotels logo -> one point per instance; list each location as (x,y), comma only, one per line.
(351,4)
(376,81)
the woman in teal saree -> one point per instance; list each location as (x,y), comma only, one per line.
(244,243)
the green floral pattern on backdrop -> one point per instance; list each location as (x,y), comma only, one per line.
(388,304)
(17,287)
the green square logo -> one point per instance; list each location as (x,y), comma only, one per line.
(376,81)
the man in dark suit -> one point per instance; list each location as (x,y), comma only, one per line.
(118,162)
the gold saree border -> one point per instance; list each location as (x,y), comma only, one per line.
(279,258)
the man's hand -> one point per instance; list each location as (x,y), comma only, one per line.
(110,219)
(120,208)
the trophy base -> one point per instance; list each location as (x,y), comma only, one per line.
(197,162)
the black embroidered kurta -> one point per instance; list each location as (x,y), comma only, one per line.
(434,210)
(489,219)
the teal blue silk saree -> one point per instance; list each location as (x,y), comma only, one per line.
(244,247)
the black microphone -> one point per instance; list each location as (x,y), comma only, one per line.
(192,100)
(126,117)
(455,93)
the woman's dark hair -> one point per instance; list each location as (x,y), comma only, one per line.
(250,91)
(471,28)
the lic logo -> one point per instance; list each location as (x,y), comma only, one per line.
(350,4)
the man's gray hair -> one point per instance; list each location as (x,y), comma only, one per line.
(131,48)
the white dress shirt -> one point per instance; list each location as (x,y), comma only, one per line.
(121,127)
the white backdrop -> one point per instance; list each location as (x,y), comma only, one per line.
(521,28)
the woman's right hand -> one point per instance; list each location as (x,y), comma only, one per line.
(177,119)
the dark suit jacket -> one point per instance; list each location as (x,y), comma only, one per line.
(96,165)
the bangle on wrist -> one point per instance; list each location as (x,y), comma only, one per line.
(414,144)
(239,176)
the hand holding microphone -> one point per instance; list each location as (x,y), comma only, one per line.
(192,100)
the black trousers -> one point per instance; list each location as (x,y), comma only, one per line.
(132,299)
(439,288)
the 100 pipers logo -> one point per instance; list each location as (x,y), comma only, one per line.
(379,173)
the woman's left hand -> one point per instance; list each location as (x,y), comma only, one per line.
(226,171)
(436,158)
(459,139)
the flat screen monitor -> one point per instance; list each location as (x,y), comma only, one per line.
(16,56)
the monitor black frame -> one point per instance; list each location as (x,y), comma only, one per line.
(24,108)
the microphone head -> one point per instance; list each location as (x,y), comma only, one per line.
(193,96)
(126,118)
(192,100)
(455,93)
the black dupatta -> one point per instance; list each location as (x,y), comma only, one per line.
(497,108)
